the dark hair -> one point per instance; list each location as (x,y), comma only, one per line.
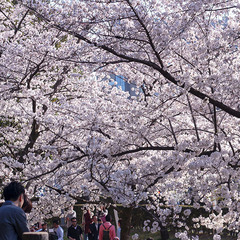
(120,221)
(108,218)
(27,205)
(73,218)
(43,224)
(56,221)
(13,190)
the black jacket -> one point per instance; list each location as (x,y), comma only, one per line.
(74,233)
(94,231)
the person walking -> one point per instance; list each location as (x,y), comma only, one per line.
(58,229)
(107,230)
(94,228)
(119,229)
(70,214)
(74,231)
(86,222)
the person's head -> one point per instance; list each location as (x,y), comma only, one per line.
(95,219)
(119,222)
(74,221)
(44,226)
(108,218)
(55,223)
(14,192)
(27,205)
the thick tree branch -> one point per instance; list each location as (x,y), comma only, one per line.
(54,169)
(153,65)
(80,199)
(147,33)
(193,118)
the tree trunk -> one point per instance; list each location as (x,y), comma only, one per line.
(164,234)
(35,236)
(126,215)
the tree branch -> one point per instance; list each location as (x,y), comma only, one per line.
(153,65)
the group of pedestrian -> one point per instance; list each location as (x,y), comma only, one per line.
(13,221)
(94,228)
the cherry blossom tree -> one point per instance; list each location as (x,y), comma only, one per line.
(68,134)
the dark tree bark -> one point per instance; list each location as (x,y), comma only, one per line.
(126,215)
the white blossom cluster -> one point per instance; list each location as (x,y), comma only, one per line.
(68,133)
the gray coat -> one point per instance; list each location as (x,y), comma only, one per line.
(13,222)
